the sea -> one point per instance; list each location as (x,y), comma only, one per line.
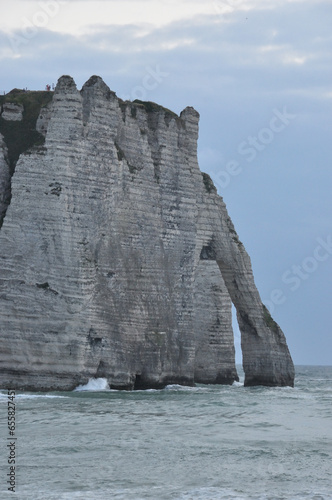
(180,443)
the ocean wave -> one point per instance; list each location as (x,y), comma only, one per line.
(211,494)
(178,387)
(214,493)
(205,493)
(4,396)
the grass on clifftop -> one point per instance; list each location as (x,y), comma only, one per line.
(152,107)
(22,135)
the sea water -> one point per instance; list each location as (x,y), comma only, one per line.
(180,443)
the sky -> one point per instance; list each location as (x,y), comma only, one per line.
(259,73)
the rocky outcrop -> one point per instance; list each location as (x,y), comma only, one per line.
(43,119)
(12,112)
(119,260)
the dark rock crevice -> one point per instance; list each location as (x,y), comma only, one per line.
(19,135)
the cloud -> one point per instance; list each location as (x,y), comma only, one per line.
(77,17)
(273,52)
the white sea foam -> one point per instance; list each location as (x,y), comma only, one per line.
(94,384)
(237,384)
(177,387)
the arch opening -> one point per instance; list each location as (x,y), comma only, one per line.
(237,342)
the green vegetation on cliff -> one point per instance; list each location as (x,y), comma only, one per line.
(22,135)
(152,107)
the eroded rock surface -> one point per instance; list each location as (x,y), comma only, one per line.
(12,112)
(43,119)
(118,258)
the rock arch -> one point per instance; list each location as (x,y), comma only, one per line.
(138,253)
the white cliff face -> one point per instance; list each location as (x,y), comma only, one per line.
(111,252)
(12,112)
(43,119)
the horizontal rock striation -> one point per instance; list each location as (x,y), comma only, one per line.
(12,112)
(118,258)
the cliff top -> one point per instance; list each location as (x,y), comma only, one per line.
(21,135)
(152,107)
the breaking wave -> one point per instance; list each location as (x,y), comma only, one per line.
(94,384)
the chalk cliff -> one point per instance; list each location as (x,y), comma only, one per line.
(118,258)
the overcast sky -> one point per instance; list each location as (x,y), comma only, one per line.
(259,73)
